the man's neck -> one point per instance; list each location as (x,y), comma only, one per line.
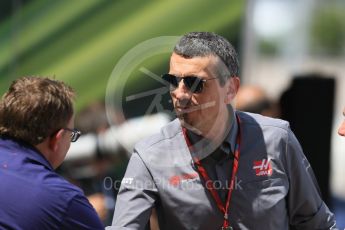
(45,151)
(219,129)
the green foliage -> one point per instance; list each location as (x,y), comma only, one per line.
(328,30)
(80,42)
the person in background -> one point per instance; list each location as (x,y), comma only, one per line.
(253,99)
(36,129)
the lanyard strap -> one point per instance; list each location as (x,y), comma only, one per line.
(202,171)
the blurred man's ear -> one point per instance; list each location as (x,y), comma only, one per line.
(55,139)
(232,84)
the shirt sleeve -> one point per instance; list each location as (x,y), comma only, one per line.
(136,197)
(306,208)
(81,215)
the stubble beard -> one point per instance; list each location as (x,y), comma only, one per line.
(188,123)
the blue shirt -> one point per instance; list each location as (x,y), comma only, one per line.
(33,196)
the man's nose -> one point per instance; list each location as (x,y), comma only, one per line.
(181,92)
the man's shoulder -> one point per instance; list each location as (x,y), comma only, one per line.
(253,119)
(57,184)
(167,133)
(60,190)
(37,181)
(47,184)
(167,147)
(45,192)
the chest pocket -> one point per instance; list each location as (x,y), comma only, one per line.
(256,200)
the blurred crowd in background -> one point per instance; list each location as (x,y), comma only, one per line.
(292,54)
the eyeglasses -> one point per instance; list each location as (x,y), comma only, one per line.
(193,84)
(75,134)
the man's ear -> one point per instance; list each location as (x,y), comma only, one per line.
(55,140)
(233,84)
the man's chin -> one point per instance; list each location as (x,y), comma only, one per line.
(189,125)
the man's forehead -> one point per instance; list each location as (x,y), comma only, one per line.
(202,63)
(211,59)
(207,58)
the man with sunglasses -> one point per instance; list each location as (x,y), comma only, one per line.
(36,128)
(214,167)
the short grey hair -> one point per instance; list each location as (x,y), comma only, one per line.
(201,44)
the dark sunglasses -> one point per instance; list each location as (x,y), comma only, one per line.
(193,84)
(75,134)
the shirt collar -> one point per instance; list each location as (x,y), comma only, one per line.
(203,146)
(25,150)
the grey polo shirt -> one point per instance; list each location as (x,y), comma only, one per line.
(275,186)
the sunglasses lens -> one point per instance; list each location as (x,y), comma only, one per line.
(73,136)
(194,84)
(171,79)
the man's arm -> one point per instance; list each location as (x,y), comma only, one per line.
(305,205)
(136,197)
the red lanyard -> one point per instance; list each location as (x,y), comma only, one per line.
(223,208)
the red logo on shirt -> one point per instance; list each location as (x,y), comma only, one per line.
(263,167)
(177,180)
